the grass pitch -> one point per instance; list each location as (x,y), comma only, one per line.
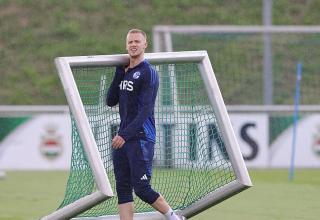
(30,195)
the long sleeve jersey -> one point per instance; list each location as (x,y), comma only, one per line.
(135,91)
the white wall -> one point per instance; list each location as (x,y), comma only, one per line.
(43,143)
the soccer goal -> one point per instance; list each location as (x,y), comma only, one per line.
(197,161)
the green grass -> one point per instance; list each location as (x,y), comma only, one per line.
(30,195)
(34,32)
(273,198)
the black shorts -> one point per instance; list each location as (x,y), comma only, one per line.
(133,169)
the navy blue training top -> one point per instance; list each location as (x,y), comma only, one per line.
(136,92)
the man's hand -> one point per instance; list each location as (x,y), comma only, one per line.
(117,142)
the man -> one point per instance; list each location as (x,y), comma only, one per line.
(135,89)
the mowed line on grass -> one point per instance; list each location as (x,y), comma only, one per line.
(30,195)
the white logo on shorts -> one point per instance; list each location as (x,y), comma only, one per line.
(144,177)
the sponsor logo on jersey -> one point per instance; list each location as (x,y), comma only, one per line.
(136,75)
(126,85)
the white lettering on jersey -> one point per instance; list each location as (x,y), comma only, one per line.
(130,86)
(126,85)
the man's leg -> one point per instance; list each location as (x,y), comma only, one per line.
(163,207)
(126,211)
(123,183)
(140,157)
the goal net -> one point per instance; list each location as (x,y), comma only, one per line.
(197,161)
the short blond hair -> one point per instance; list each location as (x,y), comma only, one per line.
(133,31)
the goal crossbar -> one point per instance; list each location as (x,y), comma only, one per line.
(235,29)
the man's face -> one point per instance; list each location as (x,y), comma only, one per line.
(136,44)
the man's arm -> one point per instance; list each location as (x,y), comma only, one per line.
(113,91)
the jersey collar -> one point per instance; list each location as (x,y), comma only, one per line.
(143,62)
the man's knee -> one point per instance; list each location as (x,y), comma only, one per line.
(146,194)
(124,193)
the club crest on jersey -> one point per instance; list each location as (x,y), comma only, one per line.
(136,75)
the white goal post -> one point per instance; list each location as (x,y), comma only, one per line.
(162,33)
(242,179)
